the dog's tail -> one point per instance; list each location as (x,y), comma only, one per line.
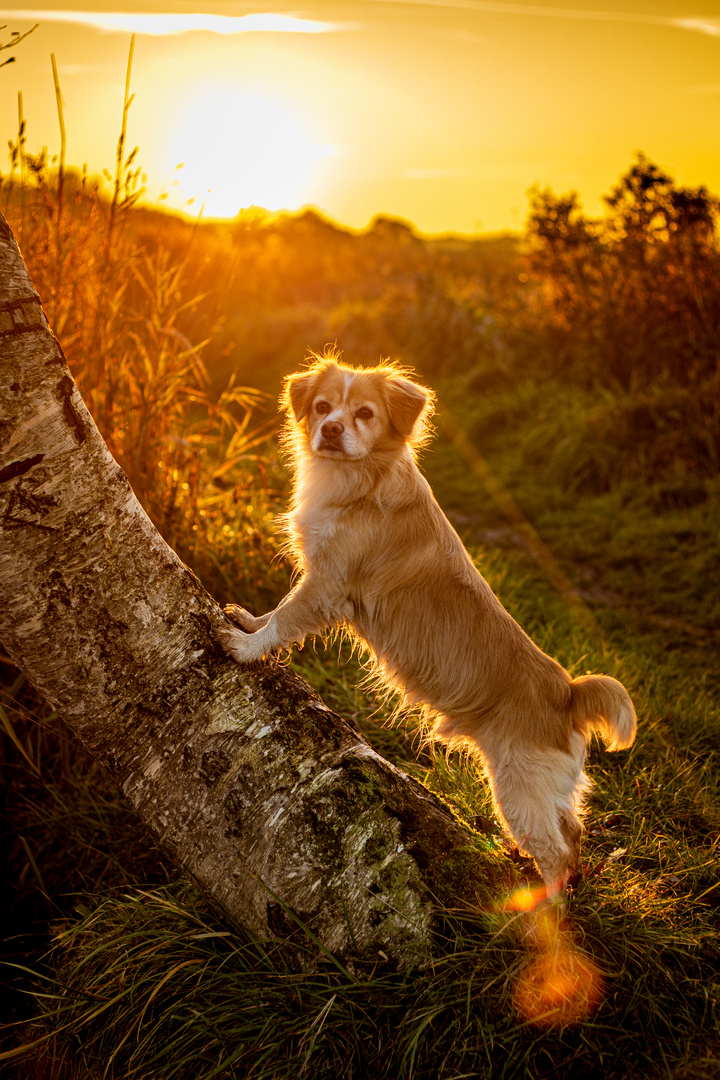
(601,704)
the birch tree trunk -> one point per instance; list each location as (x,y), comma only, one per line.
(276,806)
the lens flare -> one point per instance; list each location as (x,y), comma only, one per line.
(526,898)
(559,985)
(558,988)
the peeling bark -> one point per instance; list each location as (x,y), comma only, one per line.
(271,802)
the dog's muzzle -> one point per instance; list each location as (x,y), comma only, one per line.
(332,432)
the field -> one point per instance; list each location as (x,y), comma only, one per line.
(578,454)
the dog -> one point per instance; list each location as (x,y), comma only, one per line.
(377,556)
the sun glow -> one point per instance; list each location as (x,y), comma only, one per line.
(240,148)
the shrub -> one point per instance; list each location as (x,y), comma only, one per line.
(635,296)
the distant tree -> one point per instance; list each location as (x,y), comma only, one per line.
(558,222)
(637,293)
(648,209)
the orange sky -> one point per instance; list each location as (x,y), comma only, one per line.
(441,113)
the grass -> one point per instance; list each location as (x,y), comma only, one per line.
(143,981)
(592,513)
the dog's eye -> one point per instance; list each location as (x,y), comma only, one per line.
(322,407)
(364,413)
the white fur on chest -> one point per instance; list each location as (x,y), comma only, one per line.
(316,529)
(325,497)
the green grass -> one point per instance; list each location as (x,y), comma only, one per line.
(142,981)
(145,982)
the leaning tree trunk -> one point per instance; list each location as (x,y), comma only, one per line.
(274,805)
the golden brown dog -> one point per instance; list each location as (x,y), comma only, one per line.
(378,556)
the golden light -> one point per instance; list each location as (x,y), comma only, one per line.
(526,898)
(559,985)
(241,148)
(558,988)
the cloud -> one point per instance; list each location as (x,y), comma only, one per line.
(701,25)
(168,23)
(271,22)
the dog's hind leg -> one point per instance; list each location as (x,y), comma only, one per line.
(536,793)
(571,829)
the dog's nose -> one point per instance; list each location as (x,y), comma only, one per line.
(331,429)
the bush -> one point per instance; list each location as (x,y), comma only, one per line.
(636,296)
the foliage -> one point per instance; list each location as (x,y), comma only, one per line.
(633,301)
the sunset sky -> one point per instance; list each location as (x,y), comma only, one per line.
(442,113)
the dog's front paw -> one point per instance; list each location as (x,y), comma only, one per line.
(240,617)
(245,648)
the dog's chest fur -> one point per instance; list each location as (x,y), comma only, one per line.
(316,529)
(329,502)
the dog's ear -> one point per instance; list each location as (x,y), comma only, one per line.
(298,393)
(406,400)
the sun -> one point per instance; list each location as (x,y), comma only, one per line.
(233,149)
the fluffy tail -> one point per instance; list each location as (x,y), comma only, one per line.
(602,704)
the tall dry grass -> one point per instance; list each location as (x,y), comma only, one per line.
(123,303)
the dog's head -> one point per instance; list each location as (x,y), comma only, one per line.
(350,413)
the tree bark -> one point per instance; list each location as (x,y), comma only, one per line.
(278,808)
